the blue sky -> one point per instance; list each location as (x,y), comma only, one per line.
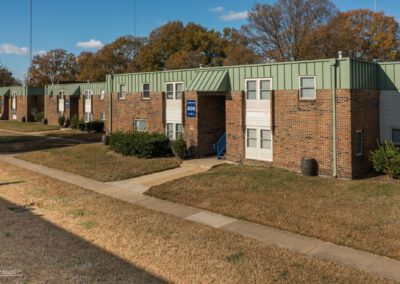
(78,25)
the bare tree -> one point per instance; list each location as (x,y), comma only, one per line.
(281,31)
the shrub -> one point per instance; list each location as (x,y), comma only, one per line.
(386,159)
(139,144)
(75,122)
(38,117)
(61,121)
(179,148)
(96,126)
(81,125)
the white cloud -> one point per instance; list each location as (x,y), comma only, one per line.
(8,48)
(93,43)
(218,9)
(234,16)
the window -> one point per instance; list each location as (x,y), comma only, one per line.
(102,94)
(51,96)
(396,136)
(258,89)
(178,131)
(170,131)
(359,143)
(140,124)
(307,88)
(170,91)
(88,94)
(146,91)
(14,104)
(61,103)
(174,91)
(251,138)
(266,139)
(122,92)
(103,116)
(251,90)
(174,131)
(88,116)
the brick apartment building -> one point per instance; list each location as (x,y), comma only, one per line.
(21,102)
(332,110)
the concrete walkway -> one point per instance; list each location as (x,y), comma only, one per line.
(131,191)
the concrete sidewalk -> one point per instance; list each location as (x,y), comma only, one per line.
(131,191)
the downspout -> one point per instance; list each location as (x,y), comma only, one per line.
(110,103)
(334,149)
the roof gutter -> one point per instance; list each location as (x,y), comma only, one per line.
(334,87)
(110,103)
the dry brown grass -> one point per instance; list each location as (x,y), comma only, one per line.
(14,125)
(74,235)
(97,162)
(362,214)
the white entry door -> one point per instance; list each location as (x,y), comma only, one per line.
(258,119)
(14,106)
(390,116)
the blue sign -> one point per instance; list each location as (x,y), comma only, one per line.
(191,108)
(67,104)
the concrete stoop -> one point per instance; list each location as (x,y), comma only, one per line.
(132,191)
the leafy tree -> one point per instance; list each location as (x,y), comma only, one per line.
(237,50)
(7,78)
(361,34)
(281,31)
(54,66)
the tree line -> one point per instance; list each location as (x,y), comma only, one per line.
(284,31)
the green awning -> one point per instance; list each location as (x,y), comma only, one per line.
(210,81)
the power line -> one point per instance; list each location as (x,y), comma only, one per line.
(30,33)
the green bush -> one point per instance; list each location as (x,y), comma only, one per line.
(38,117)
(61,121)
(75,122)
(81,125)
(386,159)
(179,148)
(139,144)
(96,126)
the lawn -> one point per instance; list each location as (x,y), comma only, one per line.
(363,214)
(8,137)
(14,125)
(98,162)
(55,232)
(76,135)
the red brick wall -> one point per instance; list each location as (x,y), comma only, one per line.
(134,107)
(98,107)
(304,129)
(365,117)
(22,107)
(51,110)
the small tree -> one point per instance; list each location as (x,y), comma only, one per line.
(386,159)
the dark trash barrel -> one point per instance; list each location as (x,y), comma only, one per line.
(309,167)
(105,139)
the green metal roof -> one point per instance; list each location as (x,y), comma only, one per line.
(210,81)
(77,89)
(4,91)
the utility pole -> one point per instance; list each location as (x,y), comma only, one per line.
(30,36)
(134,18)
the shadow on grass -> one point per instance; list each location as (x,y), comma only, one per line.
(11,182)
(39,251)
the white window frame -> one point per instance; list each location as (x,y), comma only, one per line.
(140,119)
(146,91)
(122,95)
(301,88)
(174,93)
(14,105)
(103,115)
(358,154)
(258,88)
(175,133)
(391,133)
(61,95)
(51,95)
(102,94)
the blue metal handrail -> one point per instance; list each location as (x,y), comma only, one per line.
(220,146)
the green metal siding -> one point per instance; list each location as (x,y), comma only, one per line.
(4,91)
(363,75)
(210,81)
(77,89)
(389,76)
(30,91)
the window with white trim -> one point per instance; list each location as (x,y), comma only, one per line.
(88,105)
(174,91)
(146,91)
(61,103)
(251,138)
(51,95)
(102,94)
(122,92)
(14,104)
(396,136)
(140,124)
(307,88)
(265,139)
(174,131)
(103,116)
(359,143)
(258,89)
